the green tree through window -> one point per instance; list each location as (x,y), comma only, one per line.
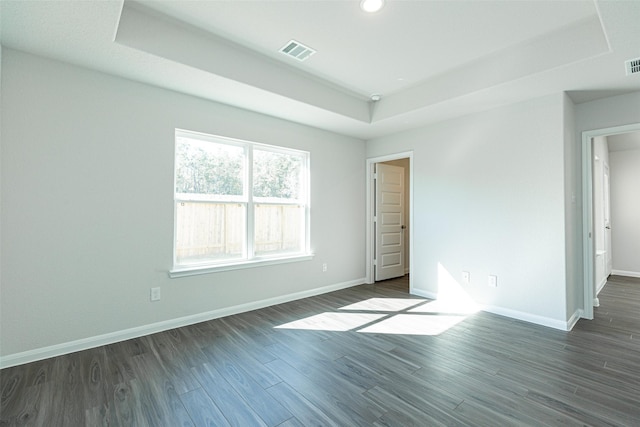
(208,168)
(276,175)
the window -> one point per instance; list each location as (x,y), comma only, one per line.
(238,202)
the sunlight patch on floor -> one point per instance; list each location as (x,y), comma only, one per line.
(398,316)
(446,307)
(384,304)
(413,324)
(333,321)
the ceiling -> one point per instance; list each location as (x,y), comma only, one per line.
(428,60)
(624,141)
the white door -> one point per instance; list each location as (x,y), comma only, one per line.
(389,222)
(606,204)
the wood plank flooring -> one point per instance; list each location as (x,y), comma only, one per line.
(380,362)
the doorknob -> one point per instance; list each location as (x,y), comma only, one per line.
(608,227)
(403,226)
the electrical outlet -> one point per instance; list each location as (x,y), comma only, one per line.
(155,294)
(324,267)
(466,277)
(493,281)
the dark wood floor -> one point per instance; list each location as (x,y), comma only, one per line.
(248,370)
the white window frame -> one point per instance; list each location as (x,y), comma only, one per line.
(249,259)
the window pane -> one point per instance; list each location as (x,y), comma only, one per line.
(277,175)
(209,232)
(208,168)
(278,229)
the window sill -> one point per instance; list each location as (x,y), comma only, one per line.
(197,270)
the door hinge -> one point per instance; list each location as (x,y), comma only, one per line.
(375,262)
(375,175)
(375,218)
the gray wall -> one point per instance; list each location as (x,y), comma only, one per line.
(87,208)
(489,198)
(86,180)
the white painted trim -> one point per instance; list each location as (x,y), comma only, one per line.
(625,273)
(369,221)
(527,317)
(113,337)
(370,198)
(514,314)
(423,293)
(197,270)
(589,288)
(600,286)
(587,226)
(574,319)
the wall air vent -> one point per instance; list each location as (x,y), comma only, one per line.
(297,50)
(632,66)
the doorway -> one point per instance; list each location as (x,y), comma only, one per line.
(601,214)
(596,215)
(389,219)
(402,236)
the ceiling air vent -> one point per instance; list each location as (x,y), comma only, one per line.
(632,66)
(297,50)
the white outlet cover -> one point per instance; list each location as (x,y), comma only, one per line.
(466,277)
(493,281)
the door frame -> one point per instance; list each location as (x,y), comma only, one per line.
(588,241)
(370,209)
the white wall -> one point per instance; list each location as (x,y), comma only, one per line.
(87,213)
(625,211)
(489,199)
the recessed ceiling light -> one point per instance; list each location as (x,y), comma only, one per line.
(371,5)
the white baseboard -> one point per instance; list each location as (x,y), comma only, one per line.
(527,317)
(600,285)
(514,314)
(625,273)
(113,337)
(423,293)
(574,319)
